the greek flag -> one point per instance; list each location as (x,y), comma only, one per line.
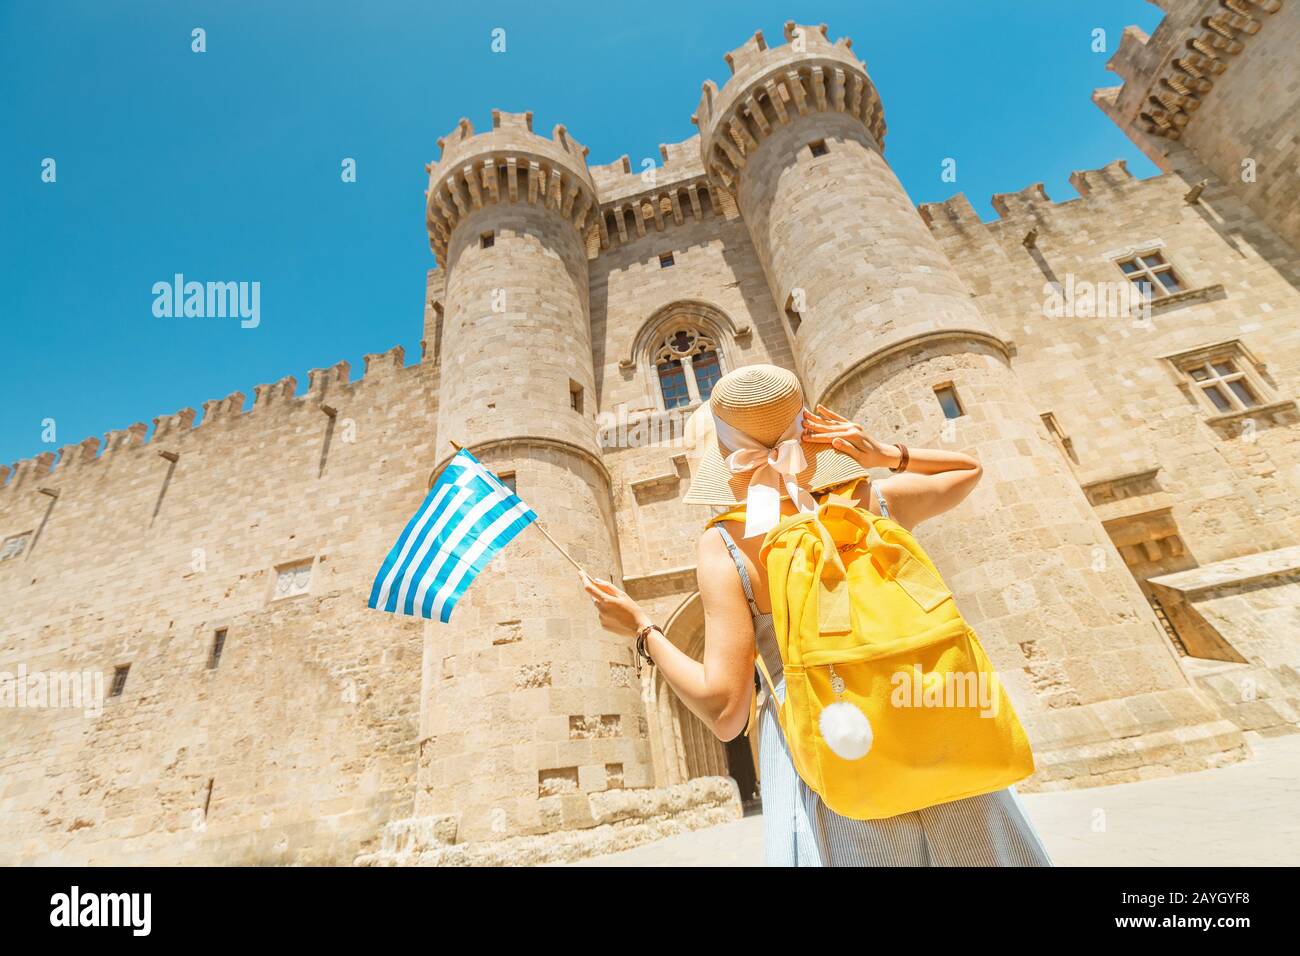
(468,516)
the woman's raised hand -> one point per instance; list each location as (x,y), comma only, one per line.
(830,428)
(619,614)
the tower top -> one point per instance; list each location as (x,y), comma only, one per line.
(771,85)
(1168,75)
(508,163)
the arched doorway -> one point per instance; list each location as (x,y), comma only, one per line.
(682,747)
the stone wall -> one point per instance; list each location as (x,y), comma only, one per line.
(1108,380)
(301,742)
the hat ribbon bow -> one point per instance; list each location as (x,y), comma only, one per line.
(769,470)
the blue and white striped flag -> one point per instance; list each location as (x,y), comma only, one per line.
(468,516)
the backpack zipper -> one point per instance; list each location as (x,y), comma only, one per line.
(837,684)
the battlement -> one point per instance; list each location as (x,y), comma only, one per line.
(1025,201)
(1113,174)
(1031,205)
(635,202)
(607,176)
(680,163)
(517,127)
(769,85)
(218,412)
(954,213)
(750,57)
(1168,75)
(509,163)
(28,470)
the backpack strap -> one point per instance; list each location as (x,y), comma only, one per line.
(753,610)
(880,499)
(740,566)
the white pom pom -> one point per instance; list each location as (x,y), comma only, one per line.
(846,730)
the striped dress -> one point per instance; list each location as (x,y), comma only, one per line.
(799,830)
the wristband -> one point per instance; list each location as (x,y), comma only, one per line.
(643,652)
(903,458)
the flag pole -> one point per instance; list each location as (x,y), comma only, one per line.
(538,525)
(567,557)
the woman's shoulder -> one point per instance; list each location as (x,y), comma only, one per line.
(713,542)
(715,566)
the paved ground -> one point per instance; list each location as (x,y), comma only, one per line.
(1246,814)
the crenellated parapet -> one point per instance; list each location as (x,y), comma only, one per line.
(172,426)
(637,202)
(770,86)
(385,363)
(1168,75)
(678,163)
(1113,174)
(953,215)
(510,163)
(168,430)
(1028,206)
(1026,201)
(322,381)
(73,457)
(276,393)
(30,469)
(121,438)
(223,409)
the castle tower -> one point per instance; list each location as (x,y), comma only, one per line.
(1206,95)
(884,331)
(528,705)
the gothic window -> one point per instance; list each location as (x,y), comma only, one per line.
(707,372)
(688,364)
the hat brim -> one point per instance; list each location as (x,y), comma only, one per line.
(713,483)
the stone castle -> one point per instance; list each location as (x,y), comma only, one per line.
(1131,559)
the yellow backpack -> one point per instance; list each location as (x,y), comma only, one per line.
(890,704)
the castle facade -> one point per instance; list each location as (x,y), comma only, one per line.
(1131,558)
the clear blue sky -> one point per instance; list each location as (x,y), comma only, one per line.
(225,165)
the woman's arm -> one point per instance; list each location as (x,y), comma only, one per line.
(718,690)
(935,481)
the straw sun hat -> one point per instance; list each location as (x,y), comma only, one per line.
(761,402)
